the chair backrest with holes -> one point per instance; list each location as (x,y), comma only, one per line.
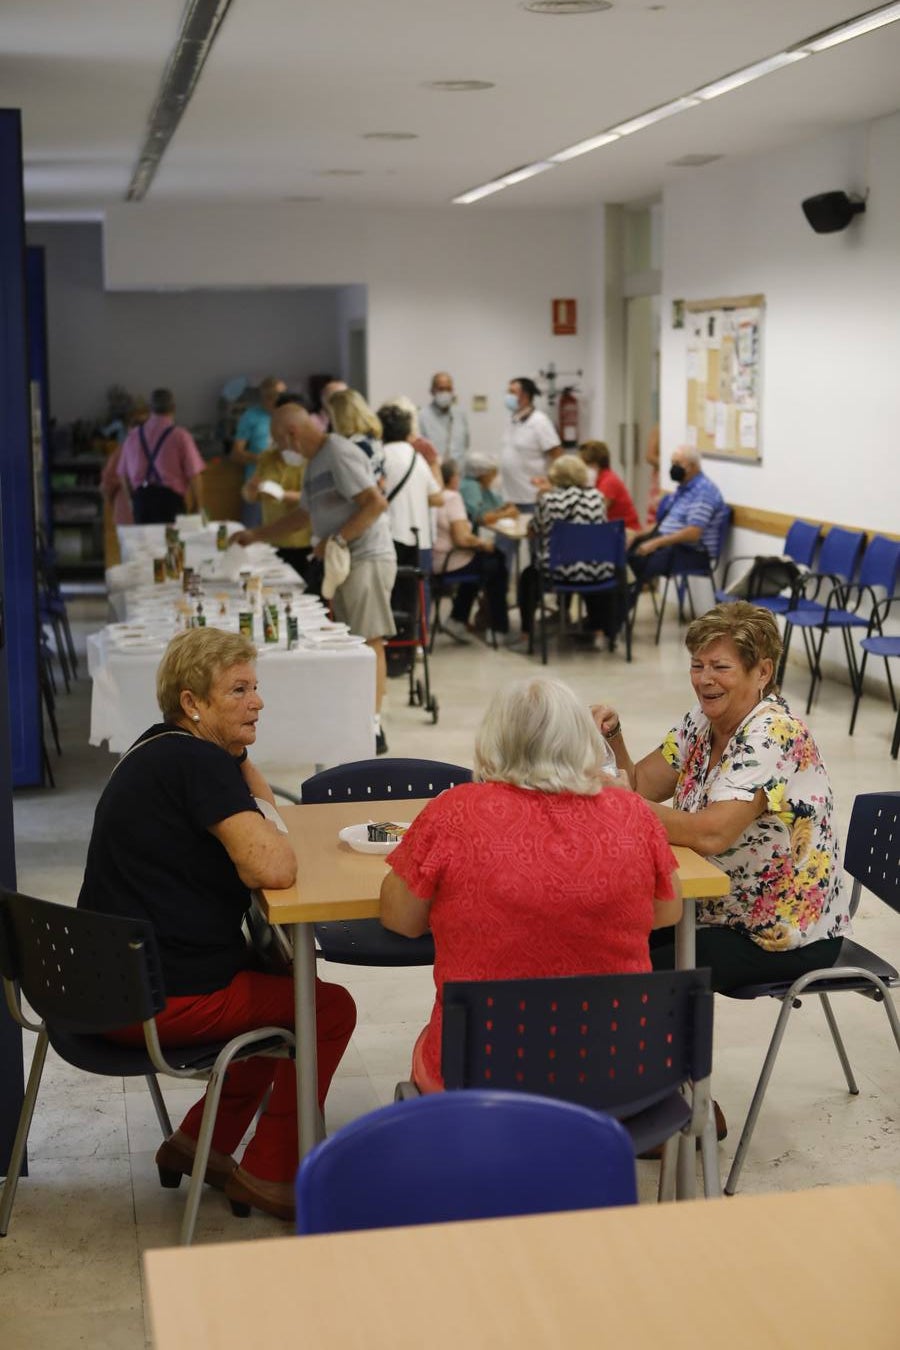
(382,778)
(617,1043)
(82,972)
(872,854)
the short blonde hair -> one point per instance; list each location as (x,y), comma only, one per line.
(568,471)
(752,630)
(537,734)
(351,415)
(192,661)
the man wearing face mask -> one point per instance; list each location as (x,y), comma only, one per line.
(442,421)
(691,518)
(275,485)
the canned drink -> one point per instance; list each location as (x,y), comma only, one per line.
(245,623)
(222,538)
(293,631)
(159,569)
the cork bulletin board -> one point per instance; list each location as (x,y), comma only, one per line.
(724,366)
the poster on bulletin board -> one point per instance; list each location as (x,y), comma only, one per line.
(724,368)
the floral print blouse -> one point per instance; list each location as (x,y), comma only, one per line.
(786,881)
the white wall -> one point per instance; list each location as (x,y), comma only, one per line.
(453,289)
(831,389)
(191,341)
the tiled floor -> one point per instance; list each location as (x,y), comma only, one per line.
(70,1270)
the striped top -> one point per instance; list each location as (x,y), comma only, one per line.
(580,506)
(698,502)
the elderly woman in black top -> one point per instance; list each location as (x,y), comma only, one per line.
(180,837)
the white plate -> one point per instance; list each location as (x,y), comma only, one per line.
(357,836)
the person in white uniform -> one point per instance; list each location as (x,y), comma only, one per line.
(530,444)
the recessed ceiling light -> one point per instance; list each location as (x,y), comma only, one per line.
(390,136)
(566,6)
(340,173)
(693,161)
(458,86)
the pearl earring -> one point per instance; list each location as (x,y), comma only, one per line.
(196,717)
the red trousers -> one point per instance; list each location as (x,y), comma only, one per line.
(254,1000)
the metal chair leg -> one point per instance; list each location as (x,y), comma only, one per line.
(788,633)
(668,1171)
(662,610)
(709,1158)
(839,1044)
(858,693)
(162,1114)
(756,1104)
(17,1157)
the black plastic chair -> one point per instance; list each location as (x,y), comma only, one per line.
(363,942)
(573,542)
(628,1045)
(87,974)
(464,1155)
(872,857)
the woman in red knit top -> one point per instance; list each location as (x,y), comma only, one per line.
(542,866)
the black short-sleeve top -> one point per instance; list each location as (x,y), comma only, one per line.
(151,855)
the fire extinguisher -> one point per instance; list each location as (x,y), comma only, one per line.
(568,416)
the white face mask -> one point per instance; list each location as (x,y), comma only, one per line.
(443,398)
(291,457)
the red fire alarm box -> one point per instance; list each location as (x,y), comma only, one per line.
(565,318)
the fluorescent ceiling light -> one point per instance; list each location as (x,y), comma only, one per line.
(583,147)
(647,119)
(866,23)
(754,72)
(507,180)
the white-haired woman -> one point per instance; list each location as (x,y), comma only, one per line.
(477,489)
(541,866)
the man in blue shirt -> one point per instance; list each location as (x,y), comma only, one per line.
(691,520)
(442,421)
(252,436)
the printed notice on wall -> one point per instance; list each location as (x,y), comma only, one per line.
(723,365)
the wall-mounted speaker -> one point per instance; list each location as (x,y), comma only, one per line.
(831,211)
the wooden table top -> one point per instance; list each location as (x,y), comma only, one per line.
(334,882)
(777,1271)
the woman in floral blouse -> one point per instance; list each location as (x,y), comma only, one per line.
(750,792)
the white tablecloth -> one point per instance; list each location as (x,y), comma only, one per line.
(318,703)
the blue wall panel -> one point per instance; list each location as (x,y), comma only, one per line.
(13,403)
(25,722)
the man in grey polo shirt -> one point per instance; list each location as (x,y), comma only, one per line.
(442,421)
(341,501)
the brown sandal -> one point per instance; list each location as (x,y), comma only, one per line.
(243,1196)
(174,1162)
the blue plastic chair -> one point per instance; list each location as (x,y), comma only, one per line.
(573,542)
(443,584)
(885,645)
(464,1155)
(682,561)
(800,546)
(363,942)
(878,571)
(871,858)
